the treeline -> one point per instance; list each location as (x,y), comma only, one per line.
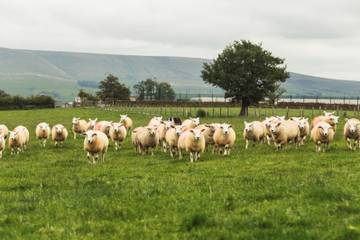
(111,89)
(18,102)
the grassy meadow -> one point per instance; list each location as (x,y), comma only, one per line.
(54,193)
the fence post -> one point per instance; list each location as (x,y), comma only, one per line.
(287,111)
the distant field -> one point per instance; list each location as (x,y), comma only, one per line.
(54,193)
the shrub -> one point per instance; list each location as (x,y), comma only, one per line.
(201,113)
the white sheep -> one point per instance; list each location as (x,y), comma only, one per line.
(96,145)
(304,128)
(322,134)
(103,126)
(146,140)
(42,132)
(4,131)
(117,134)
(208,131)
(134,139)
(2,145)
(91,124)
(284,132)
(79,126)
(126,121)
(190,123)
(155,121)
(191,141)
(59,134)
(160,133)
(254,131)
(352,132)
(172,138)
(267,123)
(224,138)
(18,139)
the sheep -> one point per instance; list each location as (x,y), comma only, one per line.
(91,124)
(155,121)
(304,128)
(190,123)
(254,131)
(95,143)
(42,132)
(160,133)
(117,134)
(352,132)
(4,131)
(224,138)
(172,138)
(2,145)
(18,139)
(126,121)
(330,119)
(191,141)
(103,126)
(267,123)
(322,134)
(59,134)
(134,139)
(79,126)
(146,140)
(208,133)
(284,132)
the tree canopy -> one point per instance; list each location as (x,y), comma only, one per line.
(246,72)
(152,90)
(111,89)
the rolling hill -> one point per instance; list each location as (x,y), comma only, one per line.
(62,74)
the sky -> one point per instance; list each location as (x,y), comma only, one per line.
(318,37)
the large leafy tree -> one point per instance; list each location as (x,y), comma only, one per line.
(246,72)
(86,96)
(152,90)
(111,89)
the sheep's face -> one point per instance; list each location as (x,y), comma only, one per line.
(334,119)
(123,118)
(59,129)
(43,127)
(353,128)
(249,127)
(302,123)
(151,131)
(92,123)
(196,121)
(327,114)
(225,128)
(2,139)
(324,129)
(75,120)
(91,137)
(12,135)
(178,130)
(275,127)
(196,133)
(117,127)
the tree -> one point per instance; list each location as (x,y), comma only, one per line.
(111,89)
(152,90)
(246,72)
(86,96)
(3,94)
(275,95)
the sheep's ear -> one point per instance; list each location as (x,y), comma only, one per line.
(278,124)
(230,126)
(192,130)
(346,119)
(306,119)
(94,134)
(245,122)
(202,130)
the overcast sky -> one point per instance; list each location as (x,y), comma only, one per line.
(319,37)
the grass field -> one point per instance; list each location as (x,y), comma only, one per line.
(53,193)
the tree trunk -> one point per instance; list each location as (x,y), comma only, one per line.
(244,107)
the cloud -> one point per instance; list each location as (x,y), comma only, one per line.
(316,37)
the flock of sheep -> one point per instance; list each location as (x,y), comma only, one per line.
(177,137)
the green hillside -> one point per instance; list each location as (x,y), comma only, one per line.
(62,74)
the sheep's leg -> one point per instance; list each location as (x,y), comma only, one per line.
(191,157)
(348,143)
(74,134)
(1,154)
(116,145)
(103,157)
(180,154)
(171,151)
(164,146)
(246,144)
